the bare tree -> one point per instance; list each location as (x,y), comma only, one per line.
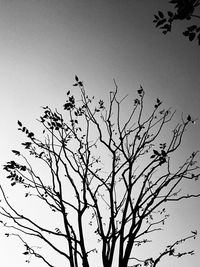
(110,174)
(184,10)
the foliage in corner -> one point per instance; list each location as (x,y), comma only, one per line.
(185,10)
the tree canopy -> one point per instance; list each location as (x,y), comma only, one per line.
(104,173)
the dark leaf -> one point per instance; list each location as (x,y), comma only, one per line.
(68,92)
(171,252)
(140,91)
(194,232)
(80,83)
(186,33)
(170,14)
(27,145)
(76,78)
(68,106)
(192,35)
(59,125)
(166,27)
(160,22)
(17,153)
(156,152)
(136,101)
(162,160)
(164,154)
(192,28)
(45,107)
(161,15)
(23,168)
(31,135)
(19,123)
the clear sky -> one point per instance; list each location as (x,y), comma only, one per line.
(44,43)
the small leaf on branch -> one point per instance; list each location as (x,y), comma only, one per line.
(192,35)
(156,152)
(160,22)
(192,28)
(164,154)
(31,135)
(68,106)
(140,91)
(19,123)
(17,153)
(194,232)
(161,15)
(171,252)
(136,101)
(186,33)
(170,14)
(27,145)
(76,78)
(158,101)
(80,83)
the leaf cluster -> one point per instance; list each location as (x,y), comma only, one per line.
(184,10)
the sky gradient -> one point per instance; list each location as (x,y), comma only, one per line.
(44,43)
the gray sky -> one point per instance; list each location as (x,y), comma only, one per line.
(44,43)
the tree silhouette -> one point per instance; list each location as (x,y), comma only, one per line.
(108,176)
(185,10)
